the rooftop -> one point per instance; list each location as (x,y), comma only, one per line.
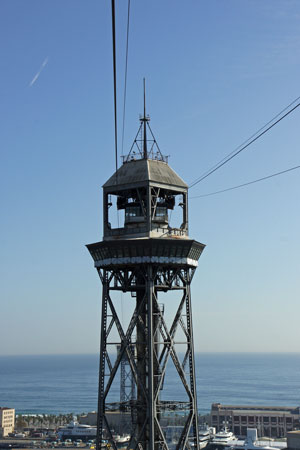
(220,407)
(137,171)
(263,410)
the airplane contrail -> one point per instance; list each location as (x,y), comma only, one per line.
(39,72)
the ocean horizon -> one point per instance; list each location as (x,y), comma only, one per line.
(68,383)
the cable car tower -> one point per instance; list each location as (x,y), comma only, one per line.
(151,262)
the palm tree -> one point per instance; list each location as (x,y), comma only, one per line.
(69,417)
(36,421)
(20,422)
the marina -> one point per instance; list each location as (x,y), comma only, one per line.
(226,440)
(76,435)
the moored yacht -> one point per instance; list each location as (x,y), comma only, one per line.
(124,439)
(252,443)
(223,438)
(76,430)
(206,433)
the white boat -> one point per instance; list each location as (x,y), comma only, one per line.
(76,430)
(206,433)
(223,438)
(252,443)
(124,439)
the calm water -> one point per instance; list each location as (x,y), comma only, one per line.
(64,384)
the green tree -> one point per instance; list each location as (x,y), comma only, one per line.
(20,422)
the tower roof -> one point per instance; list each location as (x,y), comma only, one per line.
(143,170)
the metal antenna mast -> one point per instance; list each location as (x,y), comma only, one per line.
(145,119)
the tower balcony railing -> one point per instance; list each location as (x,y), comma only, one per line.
(164,231)
(134,156)
(125,231)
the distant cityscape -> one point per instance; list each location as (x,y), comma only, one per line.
(232,427)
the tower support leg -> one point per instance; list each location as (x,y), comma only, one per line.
(101,403)
(149,346)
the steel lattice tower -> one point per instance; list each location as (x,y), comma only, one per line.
(127,385)
(146,257)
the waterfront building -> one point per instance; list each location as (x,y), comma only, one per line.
(271,421)
(88,419)
(7,421)
(293,440)
(119,420)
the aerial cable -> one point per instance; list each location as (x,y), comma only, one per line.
(249,182)
(247,143)
(115,77)
(123,125)
(229,158)
(125,79)
(252,136)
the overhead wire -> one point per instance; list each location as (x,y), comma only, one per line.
(248,183)
(123,124)
(125,78)
(115,99)
(254,134)
(248,142)
(254,137)
(115,77)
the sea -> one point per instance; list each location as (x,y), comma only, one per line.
(64,384)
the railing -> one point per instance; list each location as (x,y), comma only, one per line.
(164,231)
(177,232)
(124,231)
(134,156)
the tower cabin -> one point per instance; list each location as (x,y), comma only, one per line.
(146,195)
(146,190)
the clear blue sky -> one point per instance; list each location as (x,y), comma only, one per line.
(216,71)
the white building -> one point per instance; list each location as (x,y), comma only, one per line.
(7,421)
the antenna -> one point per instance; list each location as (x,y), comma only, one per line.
(145,123)
(142,139)
(144,81)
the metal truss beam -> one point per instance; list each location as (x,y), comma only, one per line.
(147,346)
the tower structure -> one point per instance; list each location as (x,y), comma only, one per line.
(146,257)
(127,385)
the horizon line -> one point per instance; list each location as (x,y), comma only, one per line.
(214,352)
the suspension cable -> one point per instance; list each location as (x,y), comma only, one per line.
(248,183)
(125,78)
(115,77)
(239,150)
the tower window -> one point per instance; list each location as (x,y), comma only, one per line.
(161,211)
(133,211)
